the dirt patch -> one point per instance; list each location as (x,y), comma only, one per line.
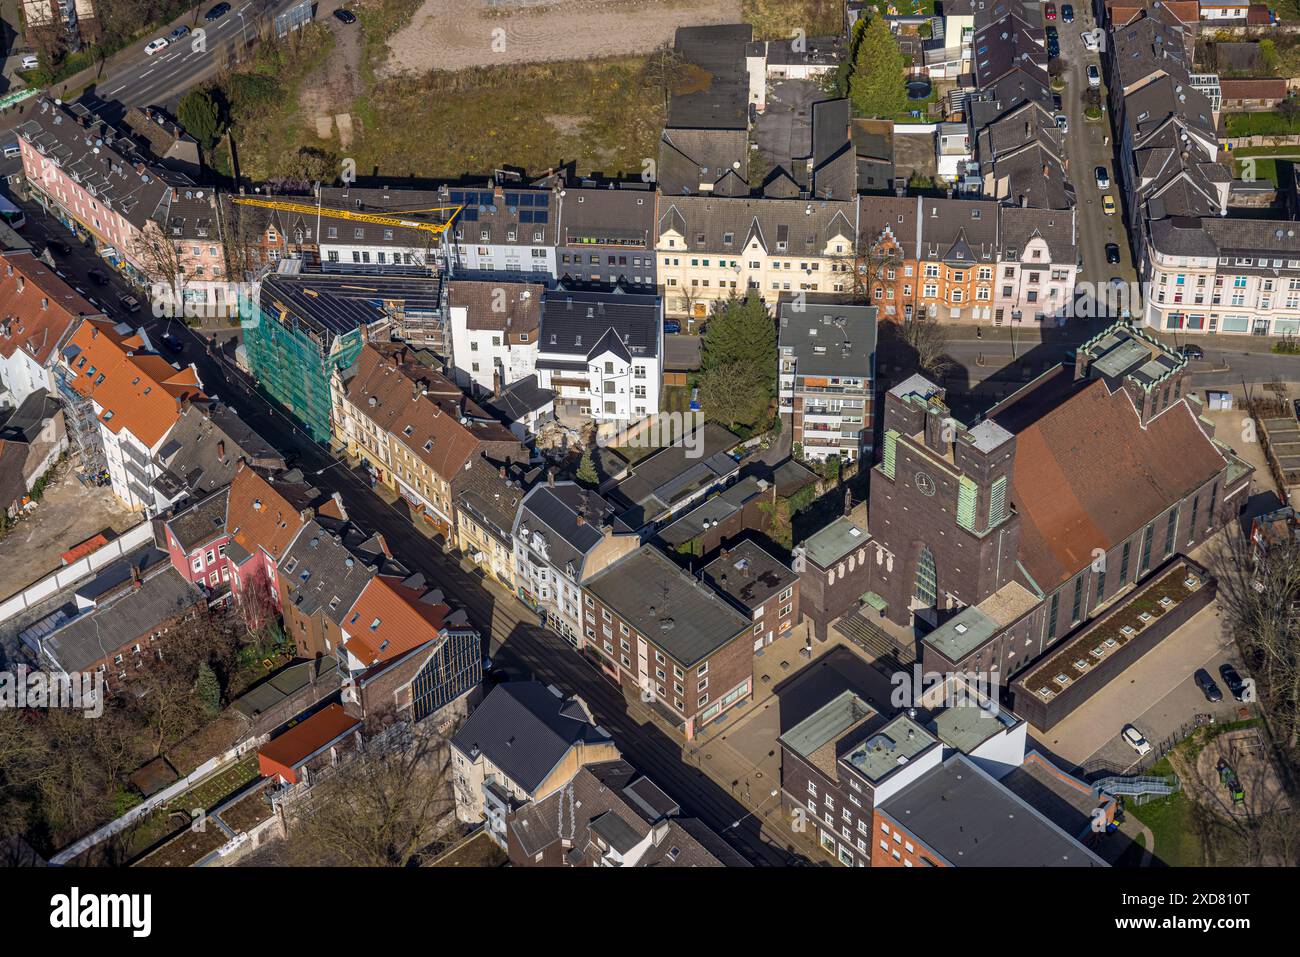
(68,513)
(1243,754)
(458,34)
(333,86)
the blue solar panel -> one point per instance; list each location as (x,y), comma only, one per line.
(471,214)
(485,199)
(512,199)
(543,199)
(457,197)
(539,216)
(525,215)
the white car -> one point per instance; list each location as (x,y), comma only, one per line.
(1133,738)
(155,45)
(1094,76)
(31,61)
(1090,41)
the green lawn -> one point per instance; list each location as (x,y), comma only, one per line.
(1260,124)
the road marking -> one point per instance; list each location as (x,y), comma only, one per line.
(146,73)
(118,90)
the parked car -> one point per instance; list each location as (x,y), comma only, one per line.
(12,149)
(1052,35)
(1067,13)
(1053,48)
(129,303)
(672,325)
(1207,685)
(154,46)
(217,12)
(31,62)
(1103,178)
(1112,253)
(170,342)
(176,34)
(1056,102)
(1233,680)
(1192,351)
(1049,11)
(1108,205)
(1094,76)
(1134,739)
(345,16)
(1090,42)
(1062,123)
(98,277)
(59,246)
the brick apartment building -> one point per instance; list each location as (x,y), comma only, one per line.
(1057,502)
(957,258)
(887,255)
(670,638)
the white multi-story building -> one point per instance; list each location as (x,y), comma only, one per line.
(1037,263)
(601,353)
(713,247)
(564,534)
(503,234)
(493,331)
(136,398)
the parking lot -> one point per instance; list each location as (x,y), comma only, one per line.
(1156,694)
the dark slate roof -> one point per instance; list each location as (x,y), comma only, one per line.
(971,820)
(1055,227)
(491,499)
(673,610)
(201,522)
(337,304)
(959,231)
(322,573)
(525,728)
(575,323)
(517,400)
(1005,44)
(719,53)
(622,215)
(834,159)
(715,509)
(663,479)
(122,619)
(828,338)
(553,511)
(24,423)
(688,158)
(205,447)
(747,575)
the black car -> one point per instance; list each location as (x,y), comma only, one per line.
(170,342)
(1053,48)
(181,31)
(130,303)
(1207,685)
(1112,253)
(1052,35)
(59,246)
(345,16)
(98,277)
(1192,352)
(1056,102)
(1233,681)
(1067,13)
(217,12)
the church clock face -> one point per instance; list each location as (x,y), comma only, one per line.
(924,484)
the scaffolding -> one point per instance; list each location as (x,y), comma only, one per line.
(83,430)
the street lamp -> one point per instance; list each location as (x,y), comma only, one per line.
(736,823)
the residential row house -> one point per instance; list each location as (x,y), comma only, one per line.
(150,222)
(414,428)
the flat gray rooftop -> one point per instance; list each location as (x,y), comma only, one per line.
(833,542)
(827,723)
(890,748)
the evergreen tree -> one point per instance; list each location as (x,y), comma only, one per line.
(876,87)
(199,115)
(587,470)
(208,690)
(738,362)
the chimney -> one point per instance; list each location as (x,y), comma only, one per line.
(550,477)
(221,449)
(580,520)
(496,380)
(502,471)
(848,502)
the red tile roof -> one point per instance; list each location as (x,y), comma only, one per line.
(38,308)
(397,393)
(1256,88)
(259,515)
(135,390)
(1087,476)
(300,742)
(389,620)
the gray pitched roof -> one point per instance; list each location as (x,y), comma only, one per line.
(1018,226)
(959,231)
(553,510)
(783,227)
(327,566)
(525,729)
(576,322)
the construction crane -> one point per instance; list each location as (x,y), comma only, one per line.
(314,209)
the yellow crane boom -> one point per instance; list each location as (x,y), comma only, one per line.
(378,219)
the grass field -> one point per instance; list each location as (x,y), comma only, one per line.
(778,19)
(1260,124)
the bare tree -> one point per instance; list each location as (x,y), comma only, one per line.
(663,68)
(926,337)
(381,807)
(1259,591)
(162,260)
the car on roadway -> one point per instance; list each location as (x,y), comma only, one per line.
(59,246)
(345,16)
(1094,76)
(1108,205)
(672,326)
(1090,41)
(1208,686)
(1112,253)
(1103,178)
(170,342)
(1067,13)
(1135,740)
(153,46)
(1049,11)
(217,12)
(1233,680)
(1056,102)
(176,34)
(1053,48)
(31,62)
(98,277)
(129,303)
(1191,351)
(1062,123)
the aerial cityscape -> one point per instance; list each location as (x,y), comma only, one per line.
(650,433)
